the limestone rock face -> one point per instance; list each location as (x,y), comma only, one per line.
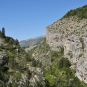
(71,34)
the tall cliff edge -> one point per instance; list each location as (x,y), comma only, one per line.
(70,33)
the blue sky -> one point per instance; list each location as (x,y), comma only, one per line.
(24,19)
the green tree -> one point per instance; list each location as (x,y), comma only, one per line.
(76,82)
(3,32)
(64,63)
(0,33)
(16,42)
(60,63)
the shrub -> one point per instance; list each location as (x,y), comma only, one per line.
(80,55)
(64,63)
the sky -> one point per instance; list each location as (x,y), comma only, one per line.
(24,19)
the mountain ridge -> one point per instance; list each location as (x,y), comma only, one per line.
(70,32)
(31,41)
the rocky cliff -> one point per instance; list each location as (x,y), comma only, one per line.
(71,34)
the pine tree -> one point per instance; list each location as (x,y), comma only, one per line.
(0,33)
(3,32)
(16,42)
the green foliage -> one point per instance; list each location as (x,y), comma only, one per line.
(80,55)
(60,74)
(51,79)
(70,54)
(3,77)
(29,74)
(7,39)
(82,41)
(28,58)
(64,77)
(64,63)
(14,84)
(34,62)
(76,82)
(16,42)
(3,32)
(54,54)
(0,33)
(79,12)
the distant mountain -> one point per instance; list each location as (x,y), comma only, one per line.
(32,41)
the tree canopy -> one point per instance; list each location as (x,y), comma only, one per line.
(2,33)
(79,12)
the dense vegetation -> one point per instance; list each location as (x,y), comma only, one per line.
(79,12)
(59,74)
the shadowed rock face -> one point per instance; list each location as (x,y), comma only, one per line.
(3,59)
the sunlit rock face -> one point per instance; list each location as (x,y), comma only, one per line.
(71,34)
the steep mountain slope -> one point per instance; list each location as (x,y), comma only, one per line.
(17,69)
(31,42)
(65,39)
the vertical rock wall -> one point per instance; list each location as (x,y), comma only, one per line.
(70,33)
